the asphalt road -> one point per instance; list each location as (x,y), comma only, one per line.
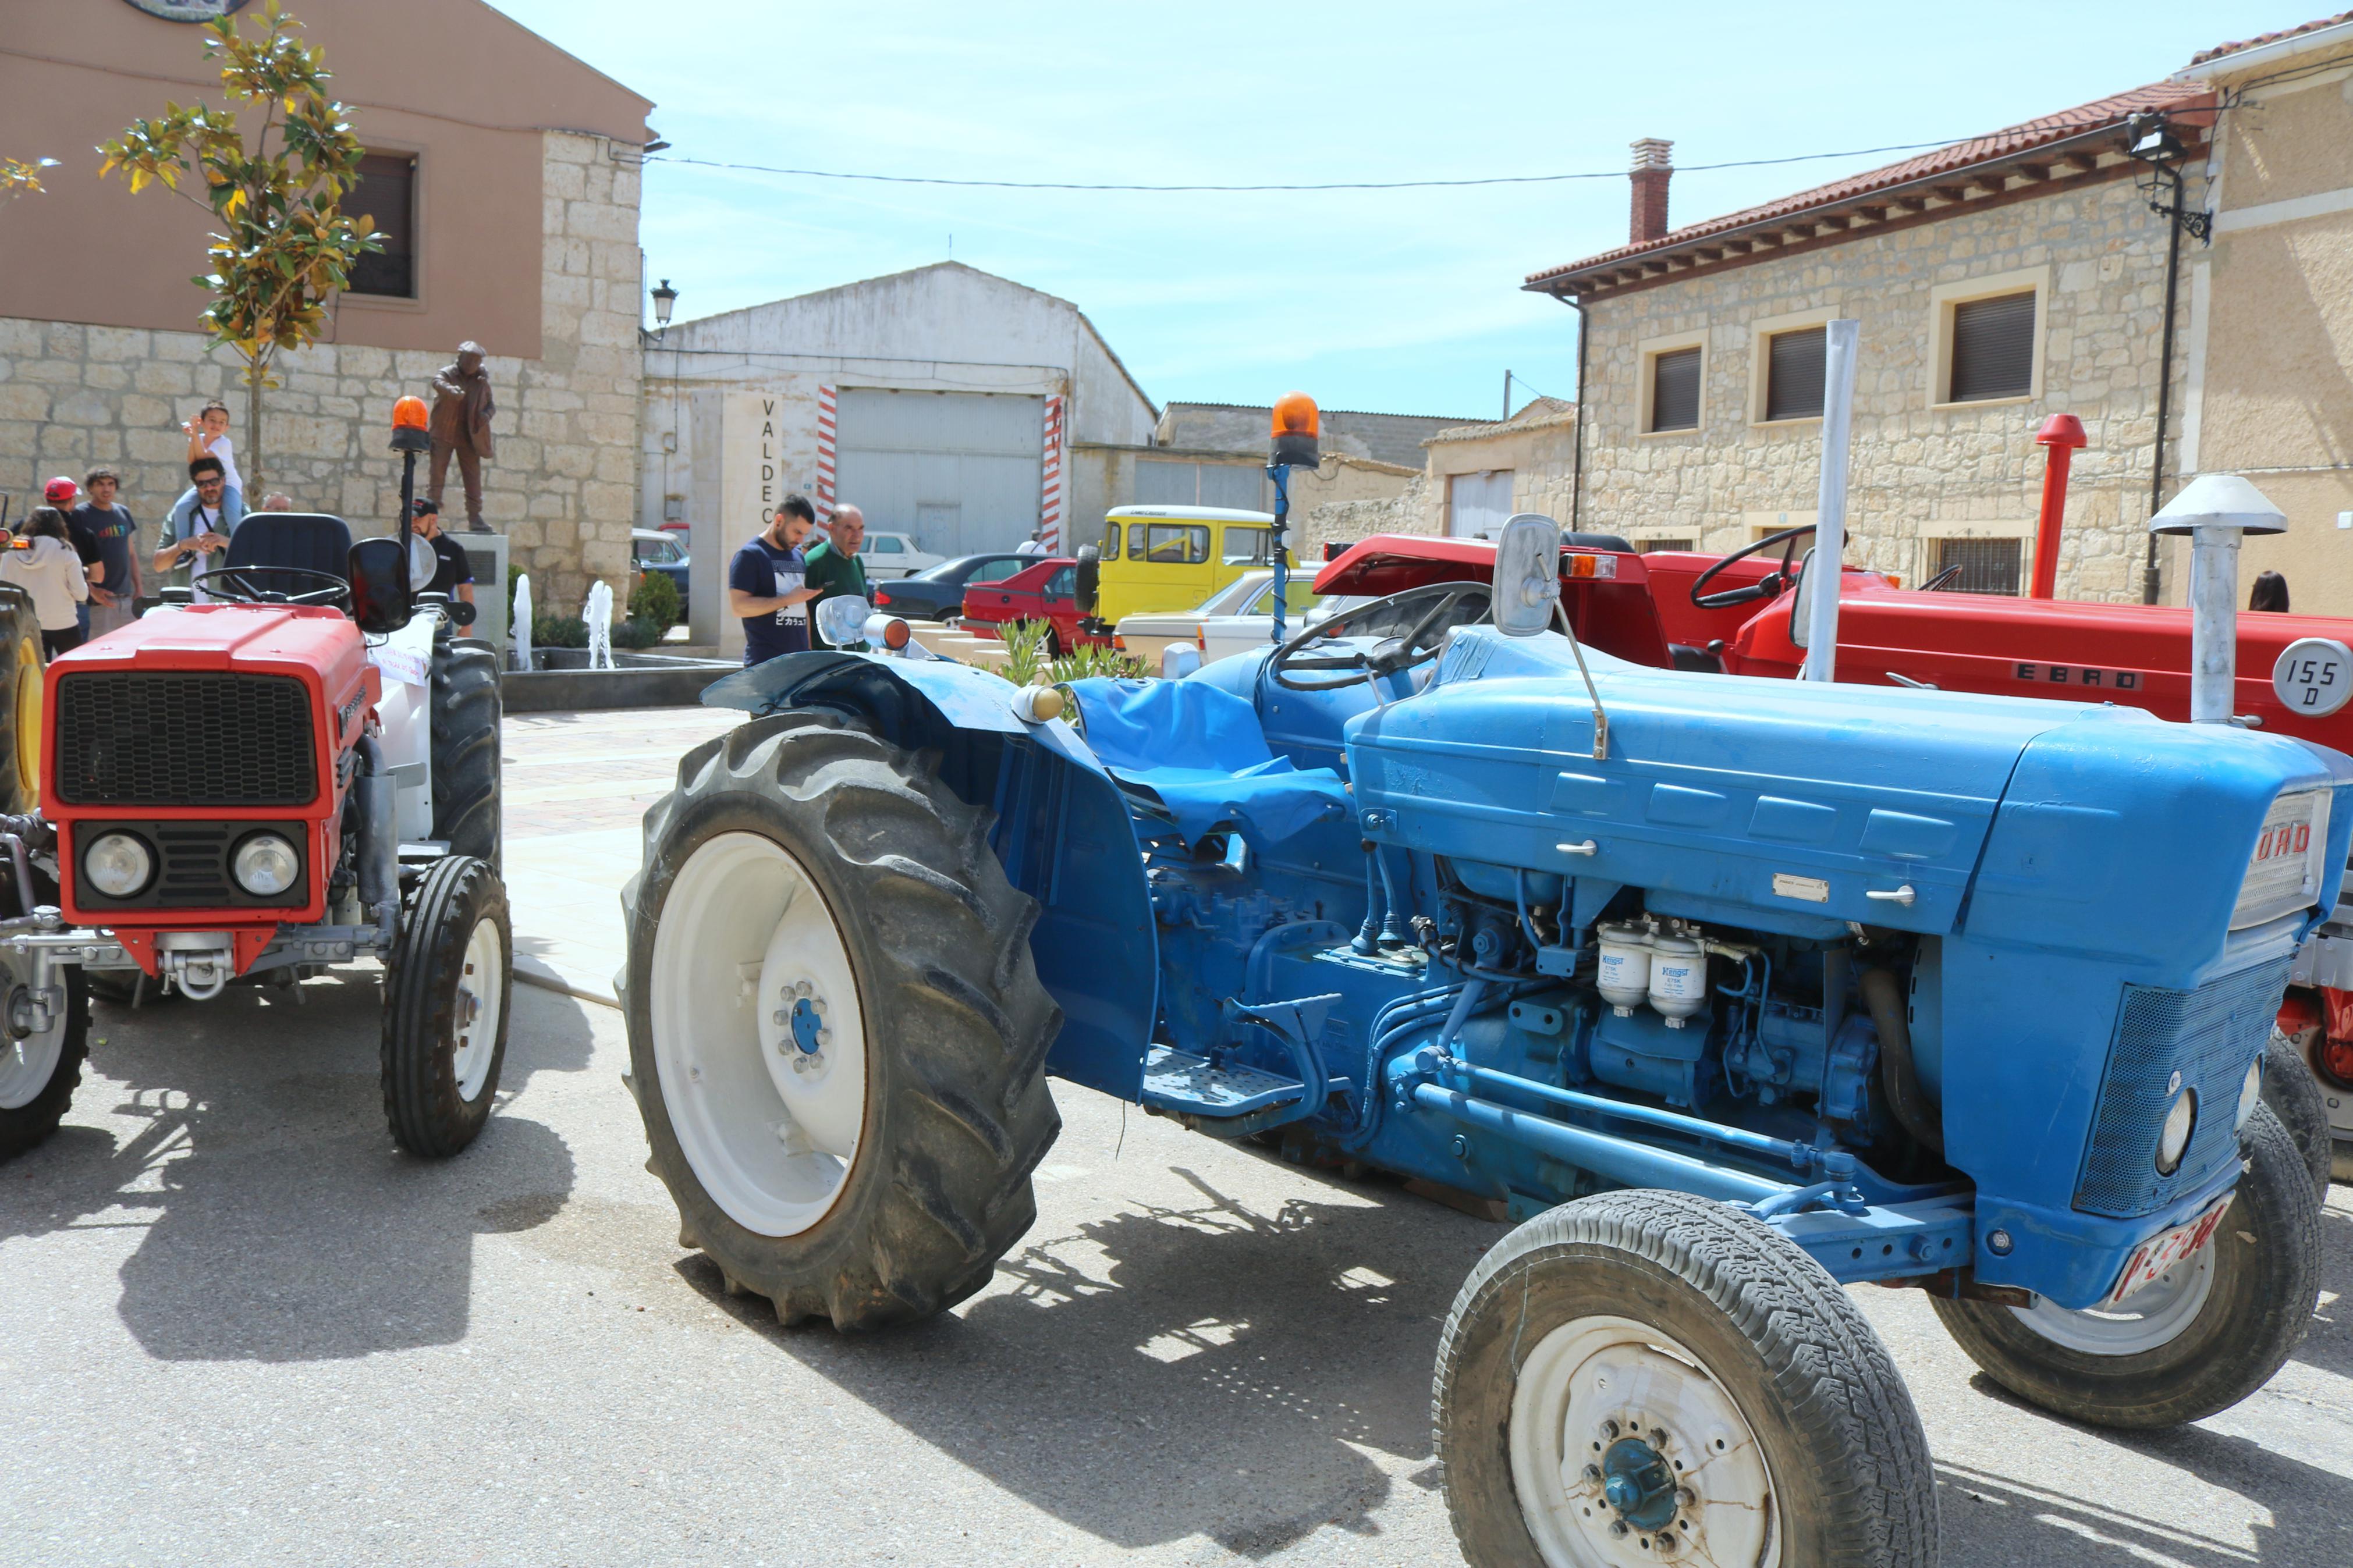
(240,1328)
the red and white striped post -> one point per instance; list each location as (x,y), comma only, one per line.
(825,452)
(1049,502)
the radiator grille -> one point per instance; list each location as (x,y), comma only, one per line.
(2208,1035)
(128,738)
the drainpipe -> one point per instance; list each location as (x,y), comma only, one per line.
(2061,435)
(2215,511)
(2148,580)
(1576,430)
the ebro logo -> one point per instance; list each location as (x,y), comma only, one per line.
(2286,838)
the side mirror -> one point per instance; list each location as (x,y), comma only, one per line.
(1527,574)
(1802,603)
(842,620)
(378,572)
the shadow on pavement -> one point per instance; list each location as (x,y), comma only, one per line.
(281,1223)
(1178,1372)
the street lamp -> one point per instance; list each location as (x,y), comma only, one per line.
(665,302)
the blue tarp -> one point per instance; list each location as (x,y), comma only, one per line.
(1198,751)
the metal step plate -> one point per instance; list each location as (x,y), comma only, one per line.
(1178,1081)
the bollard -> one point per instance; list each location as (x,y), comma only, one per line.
(2060,436)
(2215,511)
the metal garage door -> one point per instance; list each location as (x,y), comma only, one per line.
(959,470)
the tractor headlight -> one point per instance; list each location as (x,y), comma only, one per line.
(119,865)
(2174,1140)
(2251,1093)
(265,864)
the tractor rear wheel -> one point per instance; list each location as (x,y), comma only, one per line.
(444,1009)
(2198,1339)
(1652,1377)
(466,714)
(837,1036)
(20,702)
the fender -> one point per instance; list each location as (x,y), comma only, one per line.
(1059,829)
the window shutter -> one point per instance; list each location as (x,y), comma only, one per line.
(1993,348)
(1794,369)
(1674,390)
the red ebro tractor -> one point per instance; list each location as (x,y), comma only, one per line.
(302,772)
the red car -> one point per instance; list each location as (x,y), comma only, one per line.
(1048,591)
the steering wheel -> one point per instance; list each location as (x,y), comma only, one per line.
(1423,640)
(1936,585)
(1764,587)
(237,585)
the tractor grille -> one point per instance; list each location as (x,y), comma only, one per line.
(127,738)
(191,870)
(2208,1035)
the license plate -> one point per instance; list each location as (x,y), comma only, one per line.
(2162,1251)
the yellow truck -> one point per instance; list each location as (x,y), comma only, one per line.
(1169,558)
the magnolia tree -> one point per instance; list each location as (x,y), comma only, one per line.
(20,178)
(284,245)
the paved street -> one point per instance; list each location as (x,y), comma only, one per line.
(242,1329)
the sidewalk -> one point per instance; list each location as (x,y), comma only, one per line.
(576,786)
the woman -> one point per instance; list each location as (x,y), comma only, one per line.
(43,563)
(2270,594)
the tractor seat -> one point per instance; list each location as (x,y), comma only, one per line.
(311,541)
(1194,752)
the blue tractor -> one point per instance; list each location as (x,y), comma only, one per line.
(1735,993)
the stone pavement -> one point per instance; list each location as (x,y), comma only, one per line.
(576,786)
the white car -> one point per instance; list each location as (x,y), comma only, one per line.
(1144,633)
(889,555)
(1236,618)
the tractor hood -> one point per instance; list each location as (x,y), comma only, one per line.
(1784,805)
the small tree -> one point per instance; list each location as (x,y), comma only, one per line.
(285,245)
(20,178)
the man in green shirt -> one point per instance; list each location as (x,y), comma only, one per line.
(833,567)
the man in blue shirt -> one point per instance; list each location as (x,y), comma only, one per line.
(199,523)
(764,585)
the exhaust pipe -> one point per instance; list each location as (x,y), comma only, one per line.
(2060,436)
(379,865)
(2215,511)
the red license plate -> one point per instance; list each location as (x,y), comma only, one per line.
(2162,1251)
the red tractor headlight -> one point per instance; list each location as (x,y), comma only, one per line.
(119,865)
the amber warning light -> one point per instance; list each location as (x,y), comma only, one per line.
(1295,427)
(410,423)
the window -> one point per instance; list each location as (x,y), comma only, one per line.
(1062,584)
(1992,349)
(1648,545)
(1674,390)
(885,545)
(1478,505)
(1987,565)
(1109,550)
(1247,547)
(386,194)
(999,570)
(1794,363)
(1175,543)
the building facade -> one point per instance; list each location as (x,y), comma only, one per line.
(505,174)
(1998,281)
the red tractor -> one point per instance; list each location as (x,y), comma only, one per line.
(302,772)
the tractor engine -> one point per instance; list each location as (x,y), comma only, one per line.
(200,768)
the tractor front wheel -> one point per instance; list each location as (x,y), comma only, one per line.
(2198,1339)
(444,1009)
(39,1070)
(1653,1377)
(837,1036)
(2296,1098)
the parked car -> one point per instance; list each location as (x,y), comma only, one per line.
(652,550)
(1169,557)
(1237,616)
(1148,631)
(937,592)
(890,556)
(1047,591)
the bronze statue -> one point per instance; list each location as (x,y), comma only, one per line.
(461,424)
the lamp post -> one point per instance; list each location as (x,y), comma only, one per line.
(2215,511)
(1292,445)
(665,302)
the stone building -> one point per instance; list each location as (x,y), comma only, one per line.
(504,174)
(2269,344)
(1998,281)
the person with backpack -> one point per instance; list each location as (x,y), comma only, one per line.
(41,561)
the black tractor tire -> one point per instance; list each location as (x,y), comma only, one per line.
(1844,1455)
(434,1012)
(955,1113)
(2294,1096)
(465,779)
(2266,1282)
(21,663)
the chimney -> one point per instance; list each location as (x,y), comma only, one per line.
(1654,167)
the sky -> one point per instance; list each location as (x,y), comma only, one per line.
(1399,301)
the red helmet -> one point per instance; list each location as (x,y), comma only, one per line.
(61,489)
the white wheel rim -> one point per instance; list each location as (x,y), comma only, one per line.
(482,987)
(748,963)
(2150,1317)
(27,1065)
(1590,1373)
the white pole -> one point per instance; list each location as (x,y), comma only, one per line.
(1829,521)
(2213,622)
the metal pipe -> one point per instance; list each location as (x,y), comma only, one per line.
(1898,1074)
(2148,582)
(379,866)
(1842,337)
(1577,426)
(1366,942)
(1612,1159)
(1797,1156)
(2060,436)
(2214,623)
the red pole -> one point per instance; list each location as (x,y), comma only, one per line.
(2060,436)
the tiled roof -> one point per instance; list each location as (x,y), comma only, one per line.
(2009,142)
(1540,412)
(2219,50)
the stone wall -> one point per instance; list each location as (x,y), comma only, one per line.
(1919,471)
(562,486)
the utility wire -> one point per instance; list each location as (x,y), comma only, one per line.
(1331,185)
